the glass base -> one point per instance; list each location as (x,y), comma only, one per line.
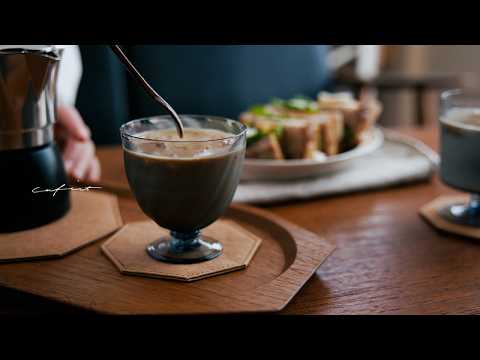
(463,214)
(184,248)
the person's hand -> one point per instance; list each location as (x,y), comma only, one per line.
(78,150)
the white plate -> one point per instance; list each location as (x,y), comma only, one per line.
(256,169)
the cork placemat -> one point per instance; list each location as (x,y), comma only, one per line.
(127,250)
(431,210)
(92,216)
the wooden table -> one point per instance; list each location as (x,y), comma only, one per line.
(388,260)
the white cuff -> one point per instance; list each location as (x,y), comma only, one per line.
(69,75)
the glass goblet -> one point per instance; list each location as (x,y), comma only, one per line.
(460,153)
(184,184)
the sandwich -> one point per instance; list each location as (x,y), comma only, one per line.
(291,129)
(303,128)
(359,115)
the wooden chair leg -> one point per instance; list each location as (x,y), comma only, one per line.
(419,105)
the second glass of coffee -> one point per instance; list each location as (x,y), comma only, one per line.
(460,153)
(184,184)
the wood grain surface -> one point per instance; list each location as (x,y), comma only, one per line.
(388,259)
(286,259)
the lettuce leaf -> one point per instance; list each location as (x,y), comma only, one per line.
(254,134)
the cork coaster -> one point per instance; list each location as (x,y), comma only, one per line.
(430,212)
(127,250)
(92,216)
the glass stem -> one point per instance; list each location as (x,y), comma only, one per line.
(182,242)
(474,205)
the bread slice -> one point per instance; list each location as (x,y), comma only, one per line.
(266,148)
(247,118)
(303,132)
(330,130)
(358,116)
(299,139)
(368,113)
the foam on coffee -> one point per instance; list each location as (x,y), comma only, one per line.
(459,150)
(189,134)
(196,143)
(462,118)
(181,185)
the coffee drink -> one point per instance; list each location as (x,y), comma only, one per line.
(460,148)
(183,184)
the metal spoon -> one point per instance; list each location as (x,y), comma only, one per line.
(134,72)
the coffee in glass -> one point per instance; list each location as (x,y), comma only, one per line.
(460,152)
(184,184)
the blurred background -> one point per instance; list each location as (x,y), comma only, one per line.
(407,78)
(225,80)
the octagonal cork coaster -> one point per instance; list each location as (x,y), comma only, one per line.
(127,250)
(431,210)
(92,216)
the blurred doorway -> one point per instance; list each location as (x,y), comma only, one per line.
(425,62)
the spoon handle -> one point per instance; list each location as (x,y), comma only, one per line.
(141,80)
